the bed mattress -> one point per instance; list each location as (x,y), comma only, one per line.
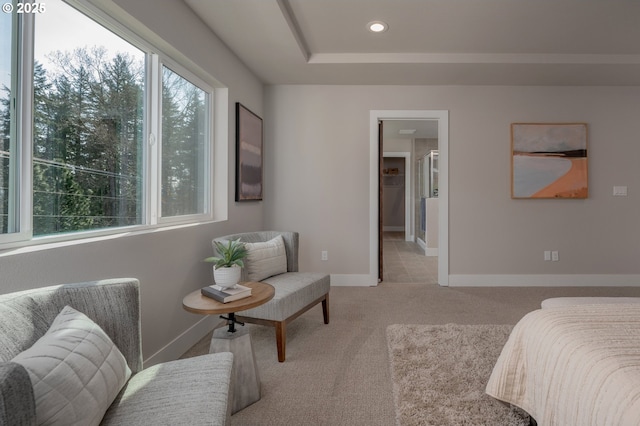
(573,365)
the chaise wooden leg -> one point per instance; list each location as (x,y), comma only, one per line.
(281,326)
(325,309)
(281,339)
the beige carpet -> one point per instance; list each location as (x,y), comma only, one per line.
(338,374)
(439,374)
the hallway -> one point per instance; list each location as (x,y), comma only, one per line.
(405,262)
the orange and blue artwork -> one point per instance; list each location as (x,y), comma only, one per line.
(549,160)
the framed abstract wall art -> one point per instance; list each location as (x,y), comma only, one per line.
(549,160)
(248,155)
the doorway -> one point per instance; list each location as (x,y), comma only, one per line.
(377,117)
(397,192)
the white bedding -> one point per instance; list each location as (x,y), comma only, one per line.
(573,365)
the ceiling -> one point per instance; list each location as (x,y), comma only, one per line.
(432,42)
(397,129)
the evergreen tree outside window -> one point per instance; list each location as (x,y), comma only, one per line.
(184,112)
(88,122)
(83,101)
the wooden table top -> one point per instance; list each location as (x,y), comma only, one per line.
(198,304)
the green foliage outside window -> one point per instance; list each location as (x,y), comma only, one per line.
(90,161)
(87,142)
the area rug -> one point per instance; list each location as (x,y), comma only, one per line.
(440,372)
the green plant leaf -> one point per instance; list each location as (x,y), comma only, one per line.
(229,254)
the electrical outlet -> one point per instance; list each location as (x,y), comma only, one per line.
(554,256)
(325,255)
(547,255)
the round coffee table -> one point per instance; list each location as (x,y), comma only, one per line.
(246,380)
(199,304)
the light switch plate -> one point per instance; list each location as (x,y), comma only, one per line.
(620,191)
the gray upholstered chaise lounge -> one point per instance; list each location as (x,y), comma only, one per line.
(192,391)
(296,292)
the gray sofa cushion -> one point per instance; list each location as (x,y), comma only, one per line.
(150,397)
(33,311)
(294,291)
(17,403)
(194,391)
(75,369)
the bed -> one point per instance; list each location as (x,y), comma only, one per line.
(573,365)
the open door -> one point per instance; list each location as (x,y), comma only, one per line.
(380,200)
(375,154)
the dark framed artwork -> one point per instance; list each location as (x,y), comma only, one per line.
(549,160)
(248,155)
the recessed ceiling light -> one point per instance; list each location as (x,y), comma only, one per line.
(406,131)
(377,26)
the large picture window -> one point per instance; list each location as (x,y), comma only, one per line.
(94,116)
(88,125)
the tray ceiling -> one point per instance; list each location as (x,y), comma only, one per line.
(432,42)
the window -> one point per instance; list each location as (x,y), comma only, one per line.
(88,125)
(96,115)
(184,132)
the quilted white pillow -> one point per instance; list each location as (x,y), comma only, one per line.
(265,259)
(76,371)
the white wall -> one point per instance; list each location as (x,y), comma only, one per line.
(398,145)
(318,178)
(167,262)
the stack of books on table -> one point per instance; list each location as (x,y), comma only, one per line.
(227,294)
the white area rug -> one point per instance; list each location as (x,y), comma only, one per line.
(440,372)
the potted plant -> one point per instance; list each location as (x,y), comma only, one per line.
(227,265)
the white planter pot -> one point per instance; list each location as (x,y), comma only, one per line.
(227,277)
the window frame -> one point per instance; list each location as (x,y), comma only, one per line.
(216,133)
(160,61)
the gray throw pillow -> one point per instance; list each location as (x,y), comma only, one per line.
(76,371)
(265,259)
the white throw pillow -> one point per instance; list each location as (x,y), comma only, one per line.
(76,371)
(265,259)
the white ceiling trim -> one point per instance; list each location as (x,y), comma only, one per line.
(470,58)
(290,18)
(491,42)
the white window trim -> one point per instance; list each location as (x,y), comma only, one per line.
(20,200)
(158,62)
(216,184)
(154,141)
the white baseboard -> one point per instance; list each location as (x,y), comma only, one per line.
(428,251)
(178,346)
(353,280)
(174,349)
(544,280)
